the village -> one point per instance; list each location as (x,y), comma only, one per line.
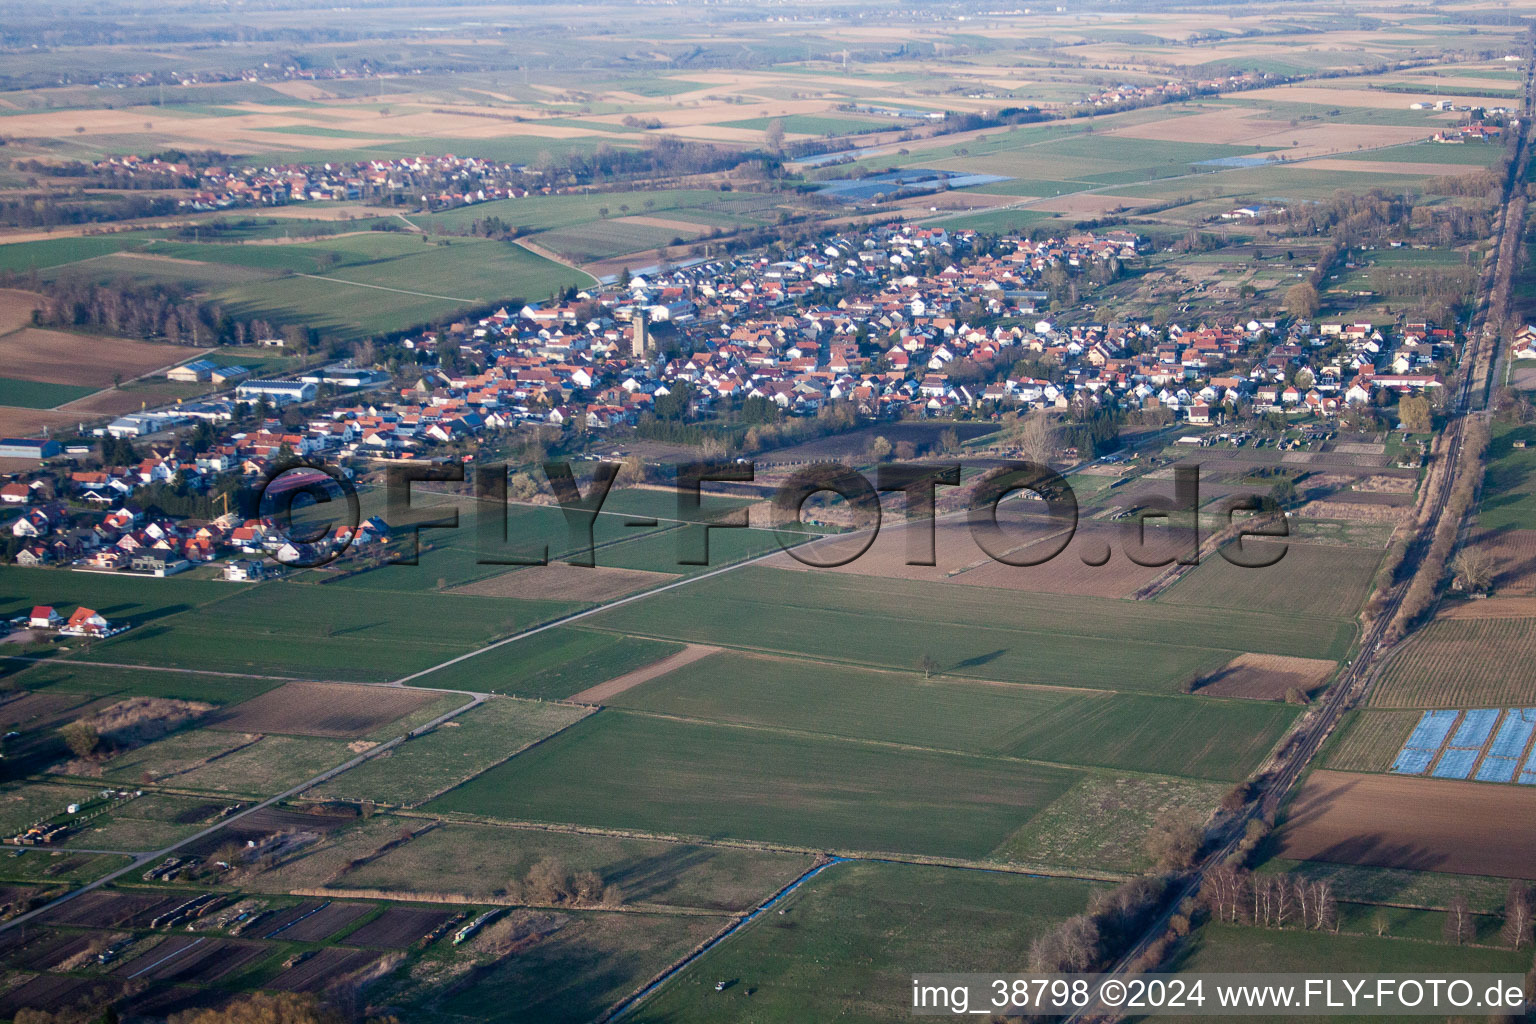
(897,323)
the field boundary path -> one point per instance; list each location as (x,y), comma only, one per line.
(618,684)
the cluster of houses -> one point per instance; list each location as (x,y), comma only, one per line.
(890,320)
(120,536)
(1474,132)
(898,341)
(1174,88)
(898,322)
(432,181)
(82,621)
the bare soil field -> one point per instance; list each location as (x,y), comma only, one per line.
(102,909)
(48,992)
(1336,97)
(1514,558)
(955,550)
(1265,676)
(60,357)
(338,710)
(325,922)
(1421,824)
(561,582)
(617,685)
(323,969)
(1380,167)
(398,927)
(19,422)
(1070,571)
(1355,511)
(31,710)
(1297,142)
(1491,608)
(1087,202)
(113,402)
(16,308)
(186,958)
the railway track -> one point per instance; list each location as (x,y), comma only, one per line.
(1355,681)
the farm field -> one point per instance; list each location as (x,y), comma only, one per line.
(1368,740)
(33,394)
(1509,481)
(453,752)
(1514,556)
(267,766)
(554,664)
(993,746)
(1101,823)
(1265,677)
(384,296)
(590,961)
(1455,662)
(1401,822)
(62,676)
(973,631)
(321,709)
(626,771)
(842,949)
(1168,735)
(1226,948)
(480,861)
(1313,579)
(82,360)
(306,631)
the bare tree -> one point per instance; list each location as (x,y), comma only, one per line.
(1325,907)
(1517,914)
(1173,842)
(1037,439)
(1458,926)
(927,665)
(1474,570)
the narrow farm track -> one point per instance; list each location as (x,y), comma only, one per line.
(1355,682)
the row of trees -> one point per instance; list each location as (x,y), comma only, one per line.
(1232,894)
(159,311)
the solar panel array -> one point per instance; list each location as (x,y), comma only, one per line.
(1425,742)
(1487,744)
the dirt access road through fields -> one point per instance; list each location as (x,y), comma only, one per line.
(1355,682)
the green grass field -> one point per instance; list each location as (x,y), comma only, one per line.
(971,631)
(389,295)
(479,861)
(69,676)
(456,750)
(1101,823)
(626,771)
(849,940)
(1176,735)
(35,394)
(314,632)
(1509,482)
(553,664)
(1310,579)
(1223,948)
(572,976)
